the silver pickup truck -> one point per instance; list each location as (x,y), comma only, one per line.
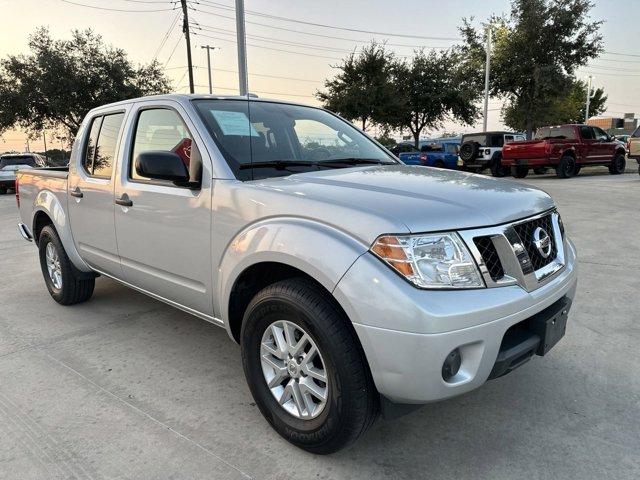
(354,285)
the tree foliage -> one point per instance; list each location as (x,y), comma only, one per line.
(363,89)
(536,52)
(434,87)
(56,84)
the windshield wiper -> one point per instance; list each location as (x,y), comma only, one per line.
(355,161)
(278,164)
(332,163)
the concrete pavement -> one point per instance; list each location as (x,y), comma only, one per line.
(124,386)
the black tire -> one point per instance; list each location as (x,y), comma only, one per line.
(352,401)
(497,170)
(439,164)
(618,164)
(540,170)
(469,151)
(567,167)
(520,171)
(76,286)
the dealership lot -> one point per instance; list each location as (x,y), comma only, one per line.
(126,387)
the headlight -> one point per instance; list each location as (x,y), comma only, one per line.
(438,260)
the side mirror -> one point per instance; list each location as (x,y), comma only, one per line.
(162,165)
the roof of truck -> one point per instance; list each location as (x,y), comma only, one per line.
(185,97)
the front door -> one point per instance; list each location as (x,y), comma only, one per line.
(164,233)
(90,202)
(605,146)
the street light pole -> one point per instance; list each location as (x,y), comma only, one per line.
(487,72)
(209,48)
(586,115)
(242,49)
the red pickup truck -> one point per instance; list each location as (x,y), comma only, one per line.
(567,148)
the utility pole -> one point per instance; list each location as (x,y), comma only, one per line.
(586,115)
(44,139)
(209,48)
(185,30)
(487,72)
(242,49)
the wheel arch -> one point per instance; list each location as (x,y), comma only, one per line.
(48,210)
(274,249)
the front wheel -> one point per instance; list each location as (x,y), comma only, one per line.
(497,170)
(520,171)
(618,164)
(305,368)
(66,284)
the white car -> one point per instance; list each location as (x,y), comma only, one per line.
(11,162)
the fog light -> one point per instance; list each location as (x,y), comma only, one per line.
(451,365)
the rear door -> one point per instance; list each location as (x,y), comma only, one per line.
(164,235)
(590,149)
(90,190)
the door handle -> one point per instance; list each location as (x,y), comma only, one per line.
(124,201)
(76,193)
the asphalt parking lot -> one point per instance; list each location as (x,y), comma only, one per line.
(124,386)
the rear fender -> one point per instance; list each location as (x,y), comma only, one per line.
(47,203)
(322,252)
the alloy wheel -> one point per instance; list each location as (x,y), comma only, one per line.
(53,266)
(294,370)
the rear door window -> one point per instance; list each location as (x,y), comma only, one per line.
(102,142)
(106,145)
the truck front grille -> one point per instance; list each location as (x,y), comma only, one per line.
(525,232)
(490,256)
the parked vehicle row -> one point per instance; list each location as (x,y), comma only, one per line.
(355,285)
(565,148)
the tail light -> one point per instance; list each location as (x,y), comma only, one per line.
(17,186)
(423,158)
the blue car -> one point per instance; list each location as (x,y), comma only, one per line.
(439,152)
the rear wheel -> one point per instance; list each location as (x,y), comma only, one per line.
(618,164)
(66,284)
(520,171)
(305,368)
(439,164)
(497,170)
(567,167)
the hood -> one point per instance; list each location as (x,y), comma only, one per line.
(420,198)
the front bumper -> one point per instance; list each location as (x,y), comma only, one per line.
(407,333)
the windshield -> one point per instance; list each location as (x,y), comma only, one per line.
(264,139)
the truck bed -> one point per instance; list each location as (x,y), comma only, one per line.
(41,185)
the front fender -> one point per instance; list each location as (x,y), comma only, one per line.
(48,203)
(322,252)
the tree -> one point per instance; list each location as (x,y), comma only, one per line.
(535,55)
(435,87)
(61,80)
(567,108)
(363,90)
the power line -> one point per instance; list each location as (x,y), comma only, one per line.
(268,48)
(251,74)
(622,54)
(212,4)
(166,35)
(117,9)
(173,51)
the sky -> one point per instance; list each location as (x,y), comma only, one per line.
(289,59)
